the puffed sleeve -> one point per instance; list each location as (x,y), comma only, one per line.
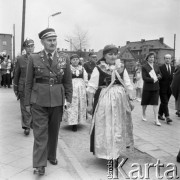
(94,81)
(85,76)
(127,80)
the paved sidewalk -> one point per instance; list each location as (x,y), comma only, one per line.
(16,148)
(160,142)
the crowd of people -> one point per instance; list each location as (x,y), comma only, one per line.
(53,87)
(6,69)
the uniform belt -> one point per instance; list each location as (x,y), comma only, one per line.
(50,81)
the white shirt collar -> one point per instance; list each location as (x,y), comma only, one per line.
(51,53)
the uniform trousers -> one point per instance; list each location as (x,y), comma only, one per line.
(163,108)
(26,118)
(46,124)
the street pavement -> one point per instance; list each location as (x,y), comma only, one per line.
(75,160)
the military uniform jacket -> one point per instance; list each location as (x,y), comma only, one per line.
(20,73)
(43,94)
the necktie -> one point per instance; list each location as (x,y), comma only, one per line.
(169,69)
(50,58)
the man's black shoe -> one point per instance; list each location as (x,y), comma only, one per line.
(40,170)
(177,113)
(53,162)
(161,118)
(27,131)
(74,128)
(168,120)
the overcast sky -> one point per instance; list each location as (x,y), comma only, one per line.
(107,22)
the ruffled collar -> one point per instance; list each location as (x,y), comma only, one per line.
(76,70)
(106,67)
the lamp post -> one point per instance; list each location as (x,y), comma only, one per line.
(52,15)
(23,23)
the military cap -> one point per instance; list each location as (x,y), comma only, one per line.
(109,48)
(28,42)
(49,32)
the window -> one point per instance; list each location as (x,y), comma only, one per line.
(4,43)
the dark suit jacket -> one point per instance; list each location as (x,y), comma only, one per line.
(20,73)
(46,95)
(89,66)
(175,85)
(149,84)
(166,79)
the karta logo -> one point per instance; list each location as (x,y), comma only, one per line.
(137,173)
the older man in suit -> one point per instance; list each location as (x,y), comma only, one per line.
(167,71)
(19,83)
(48,84)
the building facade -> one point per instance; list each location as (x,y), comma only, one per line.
(6,44)
(134,52)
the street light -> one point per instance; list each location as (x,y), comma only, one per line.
(52,15)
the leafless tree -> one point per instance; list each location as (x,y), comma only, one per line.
(78,40)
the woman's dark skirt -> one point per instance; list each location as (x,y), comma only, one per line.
(150,98)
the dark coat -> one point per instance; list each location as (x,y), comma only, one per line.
(20,73)
(149,84)
(89,66)
(166,79)
(175,85)
(47,95)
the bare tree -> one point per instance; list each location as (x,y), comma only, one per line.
(79,40)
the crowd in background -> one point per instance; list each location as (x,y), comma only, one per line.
(6,71)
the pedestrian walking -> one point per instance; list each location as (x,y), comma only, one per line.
(109,86)
(19,83)
(90,64)
(138,82)
(8,72)
(4,65)
(48,84)
(150,95)
(175,86)
(76,114)
(167,71)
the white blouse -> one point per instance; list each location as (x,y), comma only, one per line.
(94,81)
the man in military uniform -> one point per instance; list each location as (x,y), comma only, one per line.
(89,66)
(48,84)
(19,83)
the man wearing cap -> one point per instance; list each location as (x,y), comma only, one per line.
(48,85)
(19,83)
(89,66)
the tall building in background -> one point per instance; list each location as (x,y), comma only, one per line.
(6,44)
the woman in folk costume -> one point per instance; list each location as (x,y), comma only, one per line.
(77,112)
(110,87)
